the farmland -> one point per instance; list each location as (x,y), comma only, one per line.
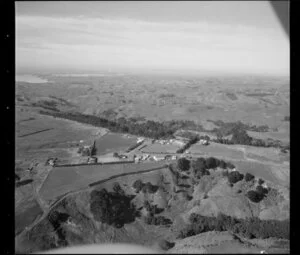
(140,100)
(65,179)
(217,150)
(113,142)
(160,148)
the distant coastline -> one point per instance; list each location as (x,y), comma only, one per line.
(30,78)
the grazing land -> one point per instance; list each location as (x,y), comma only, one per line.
(113,143)
(157,200)
(217,150)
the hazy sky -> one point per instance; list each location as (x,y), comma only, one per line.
(225,36)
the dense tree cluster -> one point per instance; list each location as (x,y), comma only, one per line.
(112,208)
(228,128)
(146,128)
(48,105)
(183,164)
(165,130)
(166,245)
(152,209)
(192,141)
(257,195)
(132,147)
(158,220)
(235,177)
(249,177)
(240,136)
(147,187)
(201,165)
(249,228)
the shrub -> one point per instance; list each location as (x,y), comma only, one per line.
(183,164)
(255,196)
(149,188)
(222,164)
(138,185)
(118,189)
(166,245)
(249,177)
(235,177)
(249,228)
(230,165)
(260,181)
(157,220)
(112,208)
(212,163)
(260,189)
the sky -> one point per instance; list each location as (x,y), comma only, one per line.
(181,36)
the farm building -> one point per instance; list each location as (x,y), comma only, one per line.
(140,139)
(174,157)
(178,142)
(92,160)
(158,158)
(203,142)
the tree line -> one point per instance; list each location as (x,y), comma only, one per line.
(249,227)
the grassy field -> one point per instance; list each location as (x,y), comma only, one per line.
(65,179)
(257,169)
(283,136)
(217,150)
(113,142)
(26,207)
(161,148)
(63,134)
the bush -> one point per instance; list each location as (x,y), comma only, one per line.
(212,163)
(138,185)
(249,177)
(118,189)
(199,168)
(260,181)
(112,208)
(223,164)
(166,245)
(157,220)
(261,190)
(255,196)
(249,228)
(183,164)
(149,188)
(235,177)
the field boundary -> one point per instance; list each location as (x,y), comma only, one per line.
(36,132)
(98,163)
(124,174)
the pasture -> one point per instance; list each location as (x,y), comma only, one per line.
(161,148)
(58,135)
(26,207)
(257,169)
(65,179)
(113,142)
(217,150)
